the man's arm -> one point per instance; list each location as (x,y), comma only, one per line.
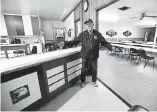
(105,43)
(76,41)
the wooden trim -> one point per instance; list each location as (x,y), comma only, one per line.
(96,20)
(55,74)
(155,37)
(65,73)
(74,66)
(81,16)
(64,17)
(62,88)
(74,72)
(41,102)
(76,20)
(123,100)
(100,7)
(104,5)
(20,14)
(13,74)
(56,82)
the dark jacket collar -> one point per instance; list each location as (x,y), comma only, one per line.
(94,31)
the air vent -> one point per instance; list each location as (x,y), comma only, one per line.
(124,8)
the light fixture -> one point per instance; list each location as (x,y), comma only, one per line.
(124,8)
(147,22)
(108,18)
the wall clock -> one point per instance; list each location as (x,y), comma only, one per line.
(86,5)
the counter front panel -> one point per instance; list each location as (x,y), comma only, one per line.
(20,92)
(27,86)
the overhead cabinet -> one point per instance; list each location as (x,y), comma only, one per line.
(22,25)
(9,20)
(3,29)
(19,25)
(35,25)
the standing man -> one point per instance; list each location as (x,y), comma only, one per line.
(90,41)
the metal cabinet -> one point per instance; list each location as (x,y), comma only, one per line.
(35,25)
(19,25)
(9,20)
(16,26)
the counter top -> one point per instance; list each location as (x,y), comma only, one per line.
(135,47)
(12,45)
(30,60)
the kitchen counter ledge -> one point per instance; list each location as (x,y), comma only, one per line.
(9,65)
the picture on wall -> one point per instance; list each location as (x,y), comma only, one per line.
(69,32)
(60,33)
(127,33)
(111,33)
(19,94)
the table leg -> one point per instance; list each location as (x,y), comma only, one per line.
(6,54)
(26,51)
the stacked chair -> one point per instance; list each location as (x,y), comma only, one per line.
(118,50)
(143,55)
(134,54)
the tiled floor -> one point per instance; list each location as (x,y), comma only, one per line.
(137,85)
(89,98)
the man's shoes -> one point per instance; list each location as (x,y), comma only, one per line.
(83,84)
(95,84)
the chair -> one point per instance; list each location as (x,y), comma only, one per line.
(2,54)
(142,54)
(138,108)
(118,50)
(51,46)
(133,53)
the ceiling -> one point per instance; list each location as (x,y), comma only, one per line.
(113,14)
(47,9)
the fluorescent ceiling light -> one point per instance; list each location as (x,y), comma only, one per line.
(64,13)
(147,22)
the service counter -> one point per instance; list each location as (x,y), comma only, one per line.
(31,81)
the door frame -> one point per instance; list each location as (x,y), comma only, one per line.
(100,7)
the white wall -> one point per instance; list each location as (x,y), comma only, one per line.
(137,32)
(69,24)
(3,28)
(48,26)
(27,23)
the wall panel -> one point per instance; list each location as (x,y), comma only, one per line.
(91,13)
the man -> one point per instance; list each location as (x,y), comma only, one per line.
(90,40)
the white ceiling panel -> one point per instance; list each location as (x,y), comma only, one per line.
(137,7)
(47,9)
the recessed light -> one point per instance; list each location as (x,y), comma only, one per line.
(124,8)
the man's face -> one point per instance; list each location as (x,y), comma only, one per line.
(89,26)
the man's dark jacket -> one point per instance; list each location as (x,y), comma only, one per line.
(90,44)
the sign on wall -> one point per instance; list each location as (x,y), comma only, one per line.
(111,33)
(127,33)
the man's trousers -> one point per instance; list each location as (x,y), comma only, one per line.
(91,65)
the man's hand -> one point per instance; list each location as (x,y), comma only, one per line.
(109,47)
